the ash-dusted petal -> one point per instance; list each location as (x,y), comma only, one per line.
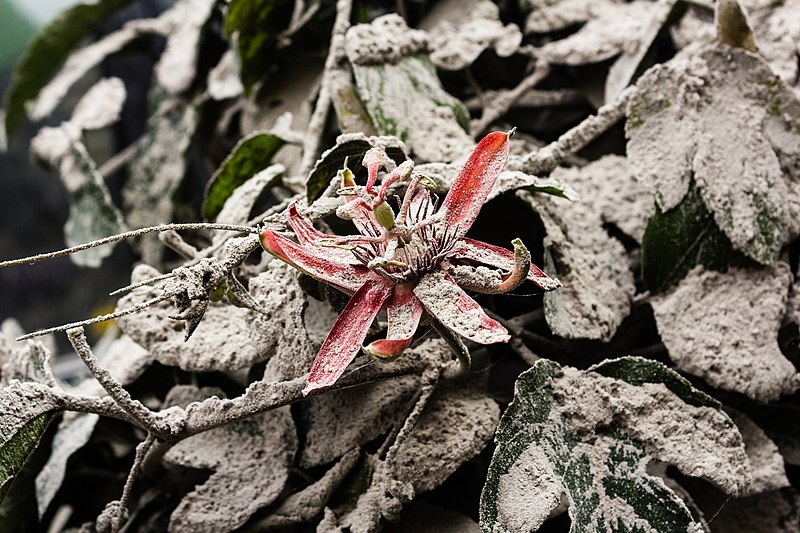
(318,263)
(499,257)
(404,311)
(474,182)
(310,237)
(446,301)
(347,334)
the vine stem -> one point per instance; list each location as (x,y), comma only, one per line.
(456,345)
(430,378)
(144,416)
(502,102)
(316,124)
(542,162)
(141,453)
(127,235)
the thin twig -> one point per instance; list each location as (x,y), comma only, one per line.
(545,160)
(502,102)
(172,240)
(98,319)
(114,388)
(118,160)
(456,345)
(127,235)
(430,378)
(141,452)
(149,281)
(316,124)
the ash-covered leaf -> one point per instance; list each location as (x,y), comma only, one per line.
(511,180)
(92,213)
(400,89)
(73,433)
(331,428)
(224,80)
(765,459)
(777,31)
(677,240)
(126,361)
(176,67)
(423,517)
(454,427)
(255,26)
(252,154)
(82,61)
(460,31)
(350,147)
(26,361)
(609,188)
(223,343)
(591,437)
(592,266)
(279,332)
(158,167)
(706,114)
(250,460)
(237,207)
(723,327)
(304,505)
(46,52)
(100,106)
(26,409)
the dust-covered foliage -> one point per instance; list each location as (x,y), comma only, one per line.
(329,349)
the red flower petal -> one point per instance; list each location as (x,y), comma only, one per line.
(475,181)
(456,310)
(309,237)
(404,311)
(499,257)
(346,336)
(317,263)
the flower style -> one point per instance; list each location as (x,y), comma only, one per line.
(410,262)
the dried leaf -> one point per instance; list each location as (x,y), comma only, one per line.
(403,96)
(592,436)
(100,106)
(460,31)
(724,328)
(350,147)
(592,266)
(176,68)
(706,113)
(158,167)
(46,52)
(252,154)
(252,456)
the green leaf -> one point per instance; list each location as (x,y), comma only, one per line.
(350,147)
(681,238)
(46,52)
(251,154)
(257,24)
(584,434)
(26,409)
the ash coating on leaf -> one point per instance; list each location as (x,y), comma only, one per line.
(280,335)
(724,328)
(592,437)
(460,31)
(101,105)
(765,459)
(250,459)
(609,188)
(176,68)
(592,267)
(399,87)
(331,429)
(221,342)
(706,114)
